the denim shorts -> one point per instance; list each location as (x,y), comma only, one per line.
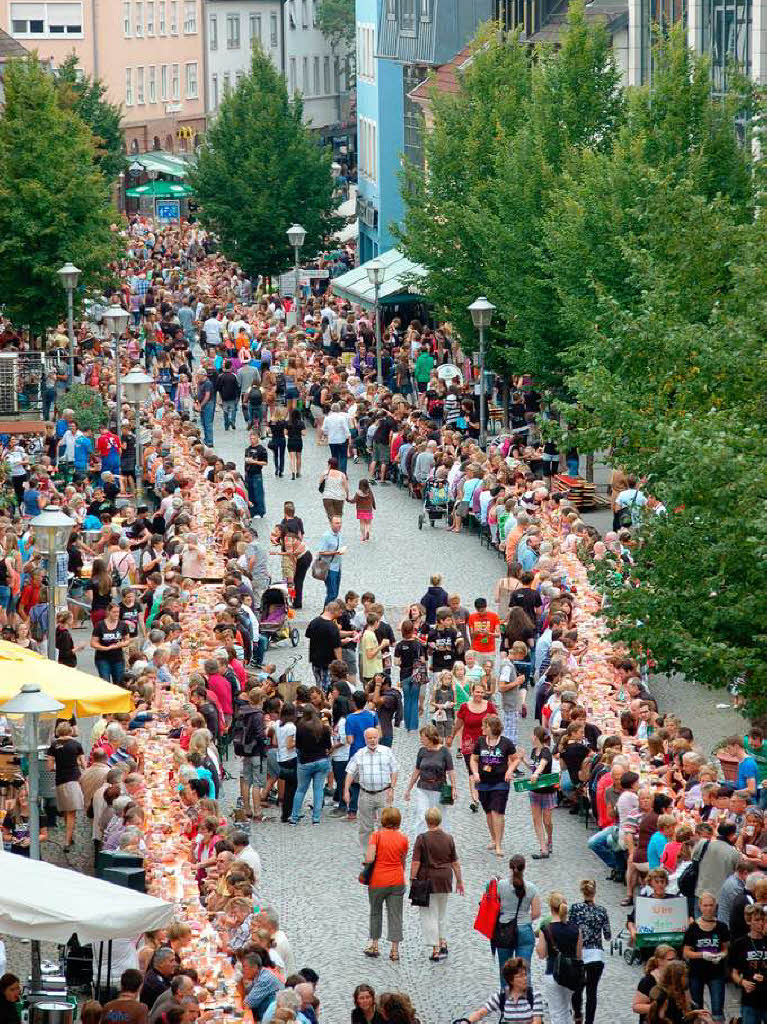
(5,597)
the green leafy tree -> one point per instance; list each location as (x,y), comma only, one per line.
(88,407)
(337,22)
(259,171)
(54,202)
(87,98)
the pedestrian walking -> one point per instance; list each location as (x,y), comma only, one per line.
(387,850)
(493,762)
(295,431)
(520,908)
(594,925)
(365,501)
(433,779)
(408,657)
(278,429)
(337,432)
(516,1002)
(284,733)
(558,940)
(256,458)
(228,388)
(443,702)
(374,769)
(468,728)
(543,800)
(66,756)
(435,862)
(313,745)
(324,643)
(334,488)
(330,553)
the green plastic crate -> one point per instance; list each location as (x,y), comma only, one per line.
(525,785)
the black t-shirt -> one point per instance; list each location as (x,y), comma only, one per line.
(444,652)
(383,431)
(493,761)
(536,756)
(227,386)
(386,710)
(65,645)
(574,755)
(255,451)
(130,617)
(527,599)
(749,957)
(99,601)
(65,752)
(408,652)
(109,638)
(701,941)
(311,747)
(324,638)
(646,984)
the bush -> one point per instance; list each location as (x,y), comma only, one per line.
(88,407)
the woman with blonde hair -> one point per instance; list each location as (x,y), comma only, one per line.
(594,924)
(151,943)
(559,937)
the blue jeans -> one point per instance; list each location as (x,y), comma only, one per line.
(339,774)
(715,990)
(313,772)
(255,485)
(573,465)
(354,797)
(279,456)
(339,451)
(110,671)
(598,845)
(524,948)
(207,414)
(230,412)
(410,692)
(332,585)
(387,741)
(49,399)
(753,1014)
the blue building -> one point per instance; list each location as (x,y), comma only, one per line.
(398,43)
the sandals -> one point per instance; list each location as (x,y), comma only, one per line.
(394,956)
(541,856)
(371,951)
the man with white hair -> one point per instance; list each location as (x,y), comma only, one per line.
(287,999)
(335,429)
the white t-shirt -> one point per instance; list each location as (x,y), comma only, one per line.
(212,328)
(282,733)
(339,733)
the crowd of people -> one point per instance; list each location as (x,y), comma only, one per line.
(180,592)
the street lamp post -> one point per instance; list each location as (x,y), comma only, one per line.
(137,385)
(376,273)
(116,319)
(24,713)
(482,315)
(296,235)
(51,530)
(69,275)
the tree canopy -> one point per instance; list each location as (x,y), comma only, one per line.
(259,170)
(337,21)
(87,98)
(54,201)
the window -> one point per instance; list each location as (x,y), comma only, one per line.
(226,83)
(413,124)
(175,82)
(255,29)
(152,85)
(213,33)
(317,91)
(139,85)
(214,92)
(304,14)
(150,17)
(52,20)
(127,25)
(407,16)
(326,75)
(129,87)
(366,65)
(191,81)
(161,18)
(237,76)
(139,23)
(174,17)
(728,40)
(425,10)
(190,17)
(292,75)
(273,30)
(391,10)
(292,14)
(307,84)
(232,31)
(164,83)
(368,148)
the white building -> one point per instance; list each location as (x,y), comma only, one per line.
(232,27)
(312,66)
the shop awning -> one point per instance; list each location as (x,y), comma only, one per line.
(81,693)
(160,190)
(49,903)
(400,281)
(163,163)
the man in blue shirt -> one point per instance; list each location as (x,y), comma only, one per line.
(83,452)
(331,551)
(356,724)
(747,767)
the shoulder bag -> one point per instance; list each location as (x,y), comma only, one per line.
(321,564)
(568,971)
(488,911)
(688,880)
(367,870)
(506,935)
(420,888)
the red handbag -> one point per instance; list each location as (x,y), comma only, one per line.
(488,911)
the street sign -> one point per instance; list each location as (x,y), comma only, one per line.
(167,209)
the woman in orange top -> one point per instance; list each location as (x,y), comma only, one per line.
(388,848)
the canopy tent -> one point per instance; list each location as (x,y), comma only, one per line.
(160,190)
(44,902)
(163,163)
(399,281)
(82,694)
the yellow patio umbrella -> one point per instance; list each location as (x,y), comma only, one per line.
(81,693)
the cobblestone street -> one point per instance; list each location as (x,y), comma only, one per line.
(326,919)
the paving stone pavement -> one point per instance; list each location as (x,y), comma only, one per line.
(310,874)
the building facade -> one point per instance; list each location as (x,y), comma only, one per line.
(148,53)
(314,68)
(232,29)
(733,33)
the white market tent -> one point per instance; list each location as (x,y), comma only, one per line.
(44,902)
(401,280)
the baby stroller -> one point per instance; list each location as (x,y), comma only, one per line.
(276,612)
(436,503)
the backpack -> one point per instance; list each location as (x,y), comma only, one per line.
(687,882)
(399,714)
(502,1000)
(625,516)
(248,735)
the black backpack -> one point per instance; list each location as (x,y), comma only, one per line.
(502,1000)
(687,882)
(248,734)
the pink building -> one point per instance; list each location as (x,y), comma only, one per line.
(149,54)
